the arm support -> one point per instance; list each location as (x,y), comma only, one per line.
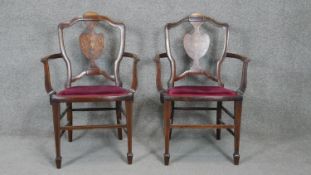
(157,60)
(47,78)
(134,71)
(245,61)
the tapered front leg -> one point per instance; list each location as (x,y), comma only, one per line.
(166,118)
(172,118)
(237,126)
(129,110)
(118,114)
(69,119)
(56,121)
(218,120)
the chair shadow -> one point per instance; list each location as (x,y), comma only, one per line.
(47,155)
(153,135)
(208,141)
(211,140)
(107,142)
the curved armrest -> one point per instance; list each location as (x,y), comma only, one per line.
(157,60)
(134,70)
(47,78)
(245,61)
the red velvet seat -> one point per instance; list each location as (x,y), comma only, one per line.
(93,90)
(200,91)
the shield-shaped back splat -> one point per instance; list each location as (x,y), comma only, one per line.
(196,44)
(91,43)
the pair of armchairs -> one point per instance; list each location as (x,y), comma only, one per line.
(92,45)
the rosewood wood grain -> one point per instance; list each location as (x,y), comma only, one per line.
(166,117)
(194,108)
(81,127)
(69,119)
(237,126)
(135,58)
(129,111)
(57,133)
(201,126)
(47,77)
(119,116)
(245,61)
(218,120)
(172,118)
(158,70)
(93,109)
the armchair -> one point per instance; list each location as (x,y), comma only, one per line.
(196,44)
(92,45)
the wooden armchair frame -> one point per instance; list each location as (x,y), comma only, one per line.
(56,98)
(169,99)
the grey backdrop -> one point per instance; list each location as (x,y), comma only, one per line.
(275,127)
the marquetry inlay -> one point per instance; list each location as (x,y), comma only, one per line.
(91,43)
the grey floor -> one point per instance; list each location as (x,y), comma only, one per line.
(192,152)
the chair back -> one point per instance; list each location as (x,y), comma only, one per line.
(197,42)
(92,43)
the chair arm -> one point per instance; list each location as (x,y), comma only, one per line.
(134,70)
(157,60)
(47,78)
(245,61)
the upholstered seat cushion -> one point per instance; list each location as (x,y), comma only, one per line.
(93,90)
(200,91)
